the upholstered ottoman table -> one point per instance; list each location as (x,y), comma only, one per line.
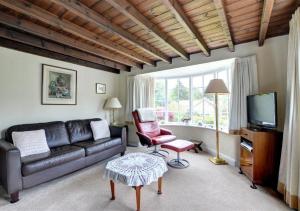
(178,146)
(135,170)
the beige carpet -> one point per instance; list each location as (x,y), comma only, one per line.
(202,186)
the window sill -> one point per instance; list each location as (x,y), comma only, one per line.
(193,126)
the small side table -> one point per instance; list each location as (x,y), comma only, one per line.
(136,170)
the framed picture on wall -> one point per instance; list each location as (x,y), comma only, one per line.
(100,88)
(59,86)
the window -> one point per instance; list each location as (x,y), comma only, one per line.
(197,100)
(178,106)
(160,99)
(223,104)
(208,102)
(183,98)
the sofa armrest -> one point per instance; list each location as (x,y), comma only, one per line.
(164,131)
(144,139)
(119,131)
(10,167)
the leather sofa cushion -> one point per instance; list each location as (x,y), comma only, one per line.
(92,147)
(80,130)
(57,156)
(56,133)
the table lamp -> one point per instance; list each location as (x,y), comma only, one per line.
(113,103)
(217,86)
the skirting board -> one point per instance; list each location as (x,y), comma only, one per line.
(228,159)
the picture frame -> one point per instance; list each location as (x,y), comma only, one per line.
(59,85)
(100,88)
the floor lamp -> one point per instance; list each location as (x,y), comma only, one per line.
(217,86)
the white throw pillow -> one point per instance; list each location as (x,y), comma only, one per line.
(100,129)
(146,114)
(30,142)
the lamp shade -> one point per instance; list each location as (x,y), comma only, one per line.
(216,86)
(113,103)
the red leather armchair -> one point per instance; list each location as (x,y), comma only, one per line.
(151,134)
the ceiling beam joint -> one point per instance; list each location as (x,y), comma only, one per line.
(130,11)
(50,34)
(40,14)
(219,4)
(92,16)
(265,20)
(190,28)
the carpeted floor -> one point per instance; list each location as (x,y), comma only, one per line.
(202,186)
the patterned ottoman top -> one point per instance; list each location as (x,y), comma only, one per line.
(135,169)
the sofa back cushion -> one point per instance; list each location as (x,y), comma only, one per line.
(80,130)
(56,133)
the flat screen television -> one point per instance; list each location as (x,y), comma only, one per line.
(262,110)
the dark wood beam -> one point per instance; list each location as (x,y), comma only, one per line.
(29,9)
(182,18)
(265,20)
(35,41)
(129,10)
(219,4)
(50,54)
(88,14)
(41,31)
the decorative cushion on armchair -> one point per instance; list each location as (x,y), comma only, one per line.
(150,132)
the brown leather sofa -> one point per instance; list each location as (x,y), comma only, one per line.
(72,147)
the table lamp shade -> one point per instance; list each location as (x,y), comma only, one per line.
(216,86)
(113,103)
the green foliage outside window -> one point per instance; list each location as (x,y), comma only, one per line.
(180,92)
(178,101)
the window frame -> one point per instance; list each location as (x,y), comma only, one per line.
(190,78)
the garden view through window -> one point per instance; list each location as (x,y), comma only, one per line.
(182,99)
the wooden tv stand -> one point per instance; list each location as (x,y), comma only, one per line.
(262,163)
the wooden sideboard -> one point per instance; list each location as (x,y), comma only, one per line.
(260,164)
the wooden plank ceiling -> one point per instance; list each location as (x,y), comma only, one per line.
(118,34)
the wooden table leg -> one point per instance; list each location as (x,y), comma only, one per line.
(112,188)
(138,197)
(159,185)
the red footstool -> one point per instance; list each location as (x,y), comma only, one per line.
(178,146)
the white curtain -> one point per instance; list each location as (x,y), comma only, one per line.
(244,82)
(289,172)
(140,93)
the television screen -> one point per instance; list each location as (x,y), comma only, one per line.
(262,110)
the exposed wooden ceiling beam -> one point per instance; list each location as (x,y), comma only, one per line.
(90,15)
(129,10)
(41,31)
(31,10)
(265,19)
(7,43)
(223,18)
(181,17)
(35,41)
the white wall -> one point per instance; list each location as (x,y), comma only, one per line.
(20,90)
(272,62)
